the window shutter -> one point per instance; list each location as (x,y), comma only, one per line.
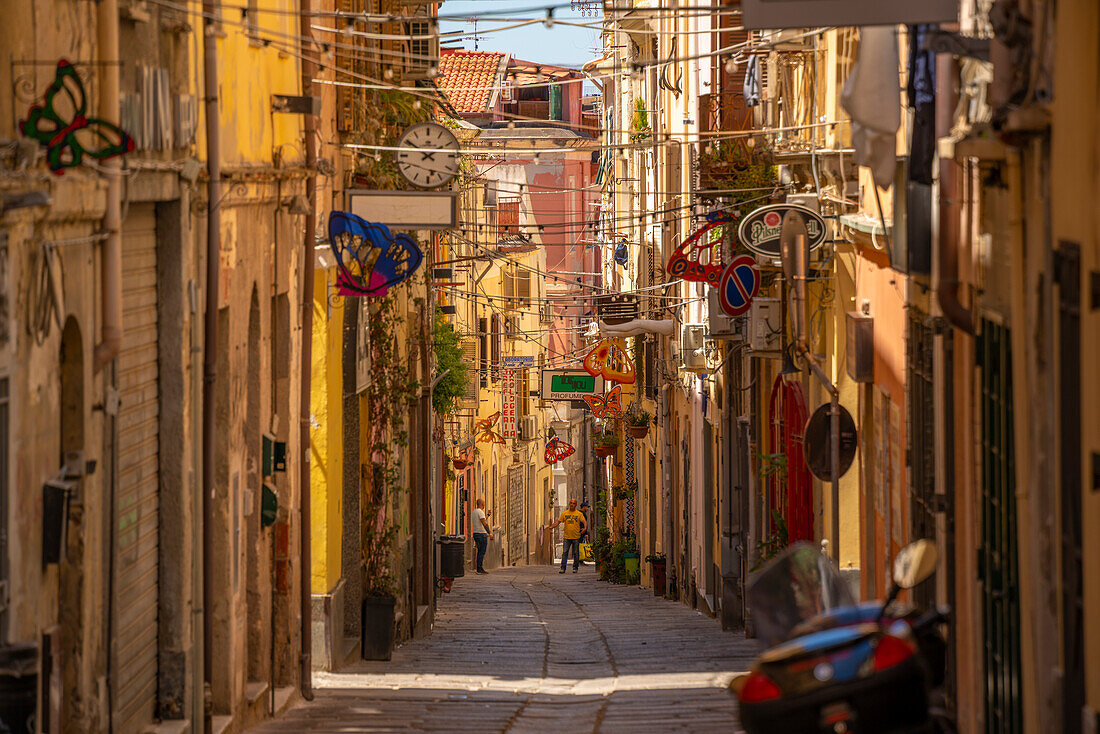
(495,363)
(523,287)
(482,327)
(469,358)
(509,288)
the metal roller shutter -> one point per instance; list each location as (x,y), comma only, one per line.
(136,510)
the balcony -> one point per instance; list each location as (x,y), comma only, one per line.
(727,165)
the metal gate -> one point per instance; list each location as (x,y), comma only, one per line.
(997,566)
(135,573)
(921,434)
(517,543)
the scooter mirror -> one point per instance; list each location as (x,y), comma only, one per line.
(914,563)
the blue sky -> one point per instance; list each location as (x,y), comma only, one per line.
(560,45)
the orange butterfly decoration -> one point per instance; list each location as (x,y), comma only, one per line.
(609,360)
(609,406)
(484,429)
(556,450)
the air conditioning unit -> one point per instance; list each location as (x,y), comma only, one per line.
(529,428)
(721,325)
(765,325)
(693,348)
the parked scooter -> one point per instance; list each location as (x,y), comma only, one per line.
(835,666)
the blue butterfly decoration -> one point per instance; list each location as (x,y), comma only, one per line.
(370,259)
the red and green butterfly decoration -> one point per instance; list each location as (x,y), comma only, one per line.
(61,124)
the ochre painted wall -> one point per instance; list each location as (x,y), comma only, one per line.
(326,454)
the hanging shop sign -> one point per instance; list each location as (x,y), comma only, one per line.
(570,385)
(521,362)
(508,405)
(60,124)
(760,231)
(817,442)
(370,259)
(556,450)
(739,285)
(697,258)
(608,360)
(607,406)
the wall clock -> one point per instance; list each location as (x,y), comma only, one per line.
(429,155)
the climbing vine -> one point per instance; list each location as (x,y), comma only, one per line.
(388,395)
(386,115)
(454,374)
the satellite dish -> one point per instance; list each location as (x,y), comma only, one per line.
(817,446)
(794,252)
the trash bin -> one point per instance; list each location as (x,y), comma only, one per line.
(18,687)
(452,561)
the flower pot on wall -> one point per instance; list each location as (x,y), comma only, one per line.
(604,451)
(637,431)
(459,464)
(377,627)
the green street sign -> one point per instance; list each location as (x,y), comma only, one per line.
(569,385)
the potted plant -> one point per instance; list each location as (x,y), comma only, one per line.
(378,619)
(639,122)
(624,491)
(637,421)
(606,443)
(657,567)
(459,463)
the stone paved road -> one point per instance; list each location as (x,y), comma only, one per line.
(529,650)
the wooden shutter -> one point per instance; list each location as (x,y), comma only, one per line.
(483,338)
(495,336)
(523,287)
(509,279)
(469,358)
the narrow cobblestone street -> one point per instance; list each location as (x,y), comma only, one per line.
(528,650)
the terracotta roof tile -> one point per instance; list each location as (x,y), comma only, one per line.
(466,77)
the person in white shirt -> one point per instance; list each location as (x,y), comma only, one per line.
(482,533)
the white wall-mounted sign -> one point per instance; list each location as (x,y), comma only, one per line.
(570,385)
(772,14)
(404,210)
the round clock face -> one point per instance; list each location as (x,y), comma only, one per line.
(429,155)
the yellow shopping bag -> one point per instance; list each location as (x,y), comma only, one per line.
(586,551)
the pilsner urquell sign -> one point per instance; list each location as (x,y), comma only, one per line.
(759,231)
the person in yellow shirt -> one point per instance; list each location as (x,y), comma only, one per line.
(574,529)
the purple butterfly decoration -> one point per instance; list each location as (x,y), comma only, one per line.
(370,259)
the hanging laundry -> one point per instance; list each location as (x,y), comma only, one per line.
(922,99)
(751,89)
(872,98)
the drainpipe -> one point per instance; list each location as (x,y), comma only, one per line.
(210,337)
(947,270)
(305,610)
(111,330)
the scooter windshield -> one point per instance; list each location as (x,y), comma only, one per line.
(794,587)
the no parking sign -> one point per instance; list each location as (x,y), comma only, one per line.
(739,285)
